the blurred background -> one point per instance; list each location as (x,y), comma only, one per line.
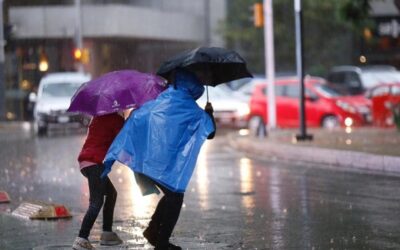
(95,37)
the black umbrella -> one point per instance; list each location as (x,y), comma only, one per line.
(212,65)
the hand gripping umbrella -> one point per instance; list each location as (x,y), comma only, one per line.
(212,65)
(116,91)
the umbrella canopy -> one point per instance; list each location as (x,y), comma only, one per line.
(212,65)
(115,91)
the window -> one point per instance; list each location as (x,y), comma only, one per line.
(279,90)
(336,77)
(352,80)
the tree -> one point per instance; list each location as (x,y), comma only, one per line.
(330,31)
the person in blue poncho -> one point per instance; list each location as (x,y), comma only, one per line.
(160,142)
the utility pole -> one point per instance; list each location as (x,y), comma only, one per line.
(207,16)
(2,60)
(300,72)
(78,31)
(270,62)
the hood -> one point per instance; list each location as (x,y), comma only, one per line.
(357,100)
(188,82)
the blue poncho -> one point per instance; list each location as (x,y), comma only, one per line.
(162,139)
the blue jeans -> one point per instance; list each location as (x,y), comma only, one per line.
(98,188)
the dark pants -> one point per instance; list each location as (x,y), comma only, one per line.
(166,215)
(98,187)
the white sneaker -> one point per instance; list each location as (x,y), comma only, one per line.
(82,244)
(110,239)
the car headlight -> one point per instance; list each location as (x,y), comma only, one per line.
(243,110)
(346,106)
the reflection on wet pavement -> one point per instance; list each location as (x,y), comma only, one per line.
(232,202)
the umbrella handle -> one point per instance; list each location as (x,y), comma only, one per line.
(207,92)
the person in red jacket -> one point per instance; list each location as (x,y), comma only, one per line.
(101,133)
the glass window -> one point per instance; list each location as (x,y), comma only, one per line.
(327,91)
(381,91)
(336,77)
(292,91)
(60,89)
(396,90)
(352,80)
(279,90)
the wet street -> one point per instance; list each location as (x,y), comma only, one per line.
(233,202)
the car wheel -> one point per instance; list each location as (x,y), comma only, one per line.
(257,127)
(330,122)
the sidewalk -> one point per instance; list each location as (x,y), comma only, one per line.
(366,149)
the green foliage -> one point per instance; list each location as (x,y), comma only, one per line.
(329,33)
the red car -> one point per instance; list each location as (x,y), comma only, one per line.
(385,100)
(324,106)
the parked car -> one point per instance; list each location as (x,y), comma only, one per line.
(385,102)
(352,80)
(230,108)
(324,106)
(53,99)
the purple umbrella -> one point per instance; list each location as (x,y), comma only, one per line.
(115,91)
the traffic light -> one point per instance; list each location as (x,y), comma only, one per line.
(258,15)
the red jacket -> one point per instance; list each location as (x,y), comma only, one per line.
(102,131)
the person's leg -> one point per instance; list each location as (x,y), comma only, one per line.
(169,214)
(96,190)
(151,232)
(109,205)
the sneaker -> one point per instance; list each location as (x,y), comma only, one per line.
(82,244)
(170,246)
(110,239)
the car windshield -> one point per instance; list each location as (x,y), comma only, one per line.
(374,78)
(60,89)
(327,91)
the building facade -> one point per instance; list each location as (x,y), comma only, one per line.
(110,35)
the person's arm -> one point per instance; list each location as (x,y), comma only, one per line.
(209,110)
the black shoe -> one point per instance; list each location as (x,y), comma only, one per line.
(169,246)
(150,235)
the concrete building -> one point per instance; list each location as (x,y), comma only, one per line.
(119,34)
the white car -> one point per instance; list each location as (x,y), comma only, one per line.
(53,99)
(230,108)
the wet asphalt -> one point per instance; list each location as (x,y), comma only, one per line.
(233,202)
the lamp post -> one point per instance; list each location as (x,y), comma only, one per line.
(300,73)
(270,62)
(2,60)
(78,31)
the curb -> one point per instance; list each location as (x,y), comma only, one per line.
(332,158)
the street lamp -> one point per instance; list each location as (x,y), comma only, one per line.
(270,62)
(2,60)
